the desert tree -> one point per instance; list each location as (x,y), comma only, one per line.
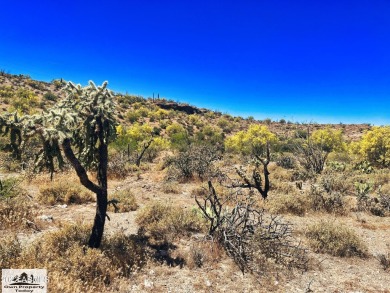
(256,143)
(374,146)
(314,149)
(79,127)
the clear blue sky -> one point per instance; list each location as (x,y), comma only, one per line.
(322,61)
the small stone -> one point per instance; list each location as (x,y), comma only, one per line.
(46,218)
(148,283)
(208,283)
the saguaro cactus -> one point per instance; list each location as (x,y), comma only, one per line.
(81,126)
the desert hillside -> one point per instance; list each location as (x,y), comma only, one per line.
(198,200)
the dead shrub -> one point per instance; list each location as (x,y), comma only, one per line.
(196,161)
(385,188)
(332,182)
(122,201)
(118,166)
(164,222)
(204,252)
(279,173)
(64,192)
(85,265)
(335,239)
(54,245)
(8,163)
(286,162)
(16,212)
(382,177)
(200,191)
(70,264)
(126,253)
(289,204)
(283,187)
(248,234)
(384,260)
(321,200)
(10,249)
(171,187)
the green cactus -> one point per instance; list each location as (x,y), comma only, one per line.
(80,126)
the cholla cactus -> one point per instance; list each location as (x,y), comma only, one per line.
(81,126)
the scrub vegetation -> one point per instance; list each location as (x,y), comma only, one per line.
(120,193)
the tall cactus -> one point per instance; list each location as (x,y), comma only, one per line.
(81,126)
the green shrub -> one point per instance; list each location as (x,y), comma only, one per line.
(9,187)
(50,96)
(25,101)
(132,116)
(336,166)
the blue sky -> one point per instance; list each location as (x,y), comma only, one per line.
(322,61)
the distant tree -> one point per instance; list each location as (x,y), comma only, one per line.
(374,146)
(178,136)
(313,149)
(329,139)
(267,121)
(252,141)
(80,126)
(210,135)
(255,142)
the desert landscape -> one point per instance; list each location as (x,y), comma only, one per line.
(113,192)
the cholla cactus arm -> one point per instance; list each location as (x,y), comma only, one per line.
(10,124)
(81,125)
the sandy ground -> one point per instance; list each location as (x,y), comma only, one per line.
(330,274)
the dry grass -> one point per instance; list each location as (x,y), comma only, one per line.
(10,248)
(294,204)
(127,253)
(164,222)
(64,192)
(279,173)
(335,239)
(73,267)
(204,252)
(171,187)
(16,212)
(119,266)
(124,201)
(329,202)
